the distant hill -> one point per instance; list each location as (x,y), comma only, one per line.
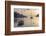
(18,15)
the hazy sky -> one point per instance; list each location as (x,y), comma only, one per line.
(27,12)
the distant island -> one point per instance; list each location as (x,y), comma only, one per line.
(18,15)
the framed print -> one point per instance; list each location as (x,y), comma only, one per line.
(24,17)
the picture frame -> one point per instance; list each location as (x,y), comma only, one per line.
(10,5)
